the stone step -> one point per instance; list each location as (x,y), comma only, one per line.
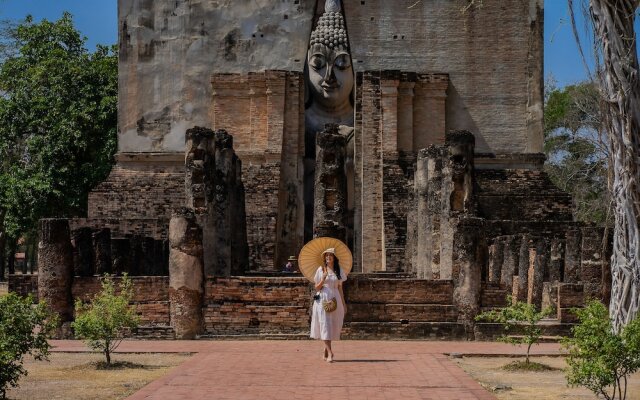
(359,312)
(258,336)
(404,331)
(154,332)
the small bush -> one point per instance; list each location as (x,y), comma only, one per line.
(23,330)
(599,359)
(519,314)
(104,321)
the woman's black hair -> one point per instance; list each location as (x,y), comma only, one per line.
(336,266)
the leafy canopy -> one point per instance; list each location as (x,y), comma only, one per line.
(58,115)
(576,153)
(103,322)
(23,330)
(599,359)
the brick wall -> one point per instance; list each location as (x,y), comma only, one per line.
(245,305)
(521,195)
(138,190)
(150,296)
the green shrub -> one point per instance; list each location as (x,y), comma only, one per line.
(518,314)
(599,359)
(104,321)
(23,330)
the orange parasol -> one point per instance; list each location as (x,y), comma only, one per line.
(310,257)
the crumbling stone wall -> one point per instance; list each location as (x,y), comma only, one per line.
(214,189)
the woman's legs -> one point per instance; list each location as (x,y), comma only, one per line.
(328,351)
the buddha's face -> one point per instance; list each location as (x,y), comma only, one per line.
(330,76)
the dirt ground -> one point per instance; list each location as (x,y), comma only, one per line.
(549,385)
(74,376)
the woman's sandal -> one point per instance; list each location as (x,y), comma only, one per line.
(329,359)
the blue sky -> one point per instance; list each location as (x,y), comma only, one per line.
(98,21)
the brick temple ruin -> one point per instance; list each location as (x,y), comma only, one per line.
(411,130)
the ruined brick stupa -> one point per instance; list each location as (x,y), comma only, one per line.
(412,130)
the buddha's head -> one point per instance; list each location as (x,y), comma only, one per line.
(330,73)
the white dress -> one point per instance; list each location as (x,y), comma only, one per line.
(324,325)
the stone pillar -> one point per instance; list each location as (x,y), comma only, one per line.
(538,259)
(461,147)
(102,251)
(405,115)
(186,274)
(215,191)
(572,256)
(496,258)
(121,256)
(468,243)
(371,216)
(197,162)
(83,252)
(591,261)
(330,195)
(422,264)
(389,98)
(510,261)
(225,233)
(55,268)
(556,261)
(520,285)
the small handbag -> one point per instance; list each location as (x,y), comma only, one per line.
(330,306)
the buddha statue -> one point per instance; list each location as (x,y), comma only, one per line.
(330,85)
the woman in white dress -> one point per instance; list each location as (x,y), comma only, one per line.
(326,325)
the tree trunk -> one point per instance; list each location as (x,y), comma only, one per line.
(3,241)
(613,23)
(11,257)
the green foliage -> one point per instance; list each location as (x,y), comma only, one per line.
(599,359)
(58,115)
(577,157)
(104,321)
(519,315)
(23,330)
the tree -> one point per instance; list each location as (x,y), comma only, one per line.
(57,123)
(103,322)
(615,50)
(518,315)
(23,330)
(576,153)
(600,359)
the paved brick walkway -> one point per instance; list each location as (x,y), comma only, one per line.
(295,369)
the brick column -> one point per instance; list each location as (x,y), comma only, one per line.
(55,269)
(371,230)
(405,116)
(186,274)
(389,97)
(468,240)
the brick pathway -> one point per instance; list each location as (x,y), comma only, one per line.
(294,369)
